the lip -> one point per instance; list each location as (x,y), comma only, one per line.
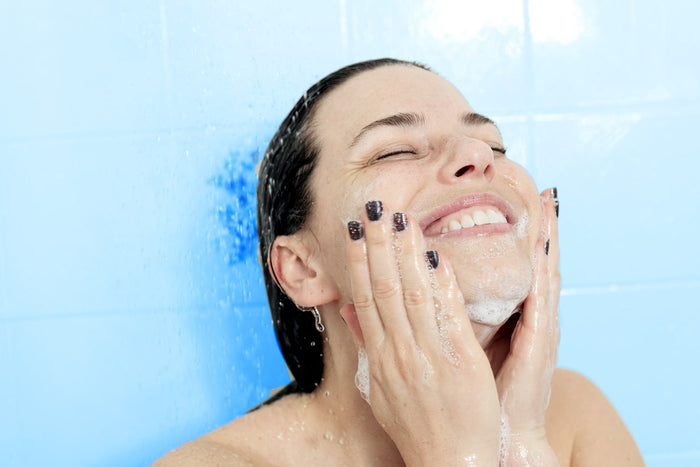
(472,200)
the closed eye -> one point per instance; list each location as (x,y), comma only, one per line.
(499,149)
(395,153)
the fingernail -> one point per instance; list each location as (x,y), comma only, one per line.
(374,210)
(546,247)
(433,258)
(400,221)
(355,230)
(554,193)
(556,208)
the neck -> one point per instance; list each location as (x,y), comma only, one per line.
(342,415)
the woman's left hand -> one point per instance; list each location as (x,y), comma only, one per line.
(524,378)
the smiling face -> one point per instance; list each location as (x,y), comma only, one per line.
(407,137)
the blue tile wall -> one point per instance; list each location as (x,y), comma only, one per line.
(132,312)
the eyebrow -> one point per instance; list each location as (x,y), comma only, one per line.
(475,119)
(412,119)
(397,120)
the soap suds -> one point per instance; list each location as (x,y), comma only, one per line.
(442,317)
(362,375)
(505,433)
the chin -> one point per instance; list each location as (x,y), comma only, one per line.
(493,291)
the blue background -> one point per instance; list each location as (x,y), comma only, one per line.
(132,313)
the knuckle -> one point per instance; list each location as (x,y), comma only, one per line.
(363,301)
(414,297)
(385,288)
(376,238)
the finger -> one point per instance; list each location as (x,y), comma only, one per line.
(456,334)
(386,287)
(371,326)
(525,338)
(550,205)
(551,216)
(415,281)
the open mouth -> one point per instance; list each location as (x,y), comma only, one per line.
(481,213)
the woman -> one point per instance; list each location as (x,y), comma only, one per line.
(411,269)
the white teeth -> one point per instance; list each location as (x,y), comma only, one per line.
(495,217)
(480,218)
(467,221)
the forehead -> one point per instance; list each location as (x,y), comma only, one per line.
(383,92)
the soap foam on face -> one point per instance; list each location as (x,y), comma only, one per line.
(499,291)
(501,288)
(491,311)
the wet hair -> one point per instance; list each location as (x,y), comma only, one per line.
(285,200)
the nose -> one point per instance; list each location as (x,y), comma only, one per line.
(467,159)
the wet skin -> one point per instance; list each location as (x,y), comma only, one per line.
(406,140)
(440,384)
(422,168)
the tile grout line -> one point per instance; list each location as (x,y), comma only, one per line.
(654,286)
(530,159)
(98,314)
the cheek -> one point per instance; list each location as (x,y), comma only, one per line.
(388,186)
(524,187)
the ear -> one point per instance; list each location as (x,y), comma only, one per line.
(299,273)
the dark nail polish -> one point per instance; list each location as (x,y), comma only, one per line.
(546,247)
(400,221)
(355,230)
(556,208)
(433,258)
(374,210)
(554,193)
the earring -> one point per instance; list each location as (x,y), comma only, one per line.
(319,325)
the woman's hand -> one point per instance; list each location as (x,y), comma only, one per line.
(525,376)
(430,384)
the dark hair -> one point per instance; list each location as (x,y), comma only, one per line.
(284,203)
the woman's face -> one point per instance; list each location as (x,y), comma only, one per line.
(407,137)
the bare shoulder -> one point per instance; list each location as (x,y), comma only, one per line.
(245,441)
(203,452)
(584,427)
(223,446)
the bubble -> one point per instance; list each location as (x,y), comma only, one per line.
(505,434)
(521,225)
(442,317)
(427,368)
(492,311)
(362,375)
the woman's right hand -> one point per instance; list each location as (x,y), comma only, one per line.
(430,384)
